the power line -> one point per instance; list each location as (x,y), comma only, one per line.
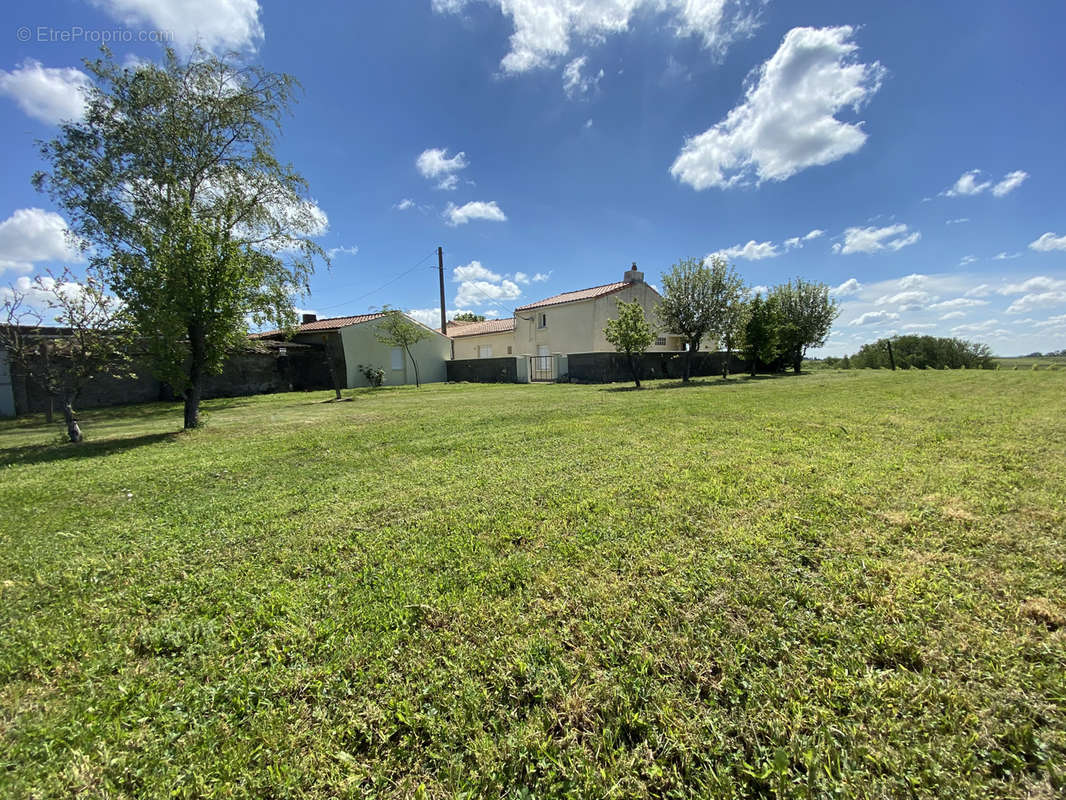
(387,283)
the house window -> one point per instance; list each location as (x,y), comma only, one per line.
(484,351)
(660,341)
(542,320)
(508,349)
(397,358)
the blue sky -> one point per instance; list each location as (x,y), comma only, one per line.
(907,154)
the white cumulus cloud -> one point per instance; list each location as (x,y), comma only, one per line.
(1037,300)
(216,26)
(333,252)
(959,302)
(1048,242)
(430,317)
(787,121)
(544,30)
(1039,283)
(33,235)
(474,271)
(848,287)
(875,240)
(1010,182)
(476,209)
(577,85)
(49,94)
(970,183)
(479,285)
(752,251)
(797,241)
(435,163)
(873,317)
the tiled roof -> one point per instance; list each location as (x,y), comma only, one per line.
(456,329)
(323,325)
(580,294)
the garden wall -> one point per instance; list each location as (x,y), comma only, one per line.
(614,367)
(484,370)
(261,371)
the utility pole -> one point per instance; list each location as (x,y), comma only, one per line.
(443,307)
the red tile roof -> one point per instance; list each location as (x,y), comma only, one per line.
(322,325)
(580,294)
(456,329)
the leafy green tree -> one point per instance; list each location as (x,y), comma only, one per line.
(924,352)
(395,329)
(807,315)
(733,321)
(697,294)
(193,221)
(762,330)
(468,316)
(631,334)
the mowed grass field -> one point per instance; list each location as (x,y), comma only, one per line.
(844,584)
(1032,362)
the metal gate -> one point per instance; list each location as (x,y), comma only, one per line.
(542,368)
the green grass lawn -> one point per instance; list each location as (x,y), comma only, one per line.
(1030,362)
(846,584)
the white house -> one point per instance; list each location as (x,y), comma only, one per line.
(355,339)
(571,322)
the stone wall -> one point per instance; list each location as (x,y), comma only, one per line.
(484,370)
(262,371)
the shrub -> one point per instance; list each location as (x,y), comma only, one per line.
(922,352)
(375,376)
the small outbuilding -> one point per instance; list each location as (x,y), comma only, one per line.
(351,342)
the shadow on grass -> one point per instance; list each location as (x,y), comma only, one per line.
(133,412)
(65,451)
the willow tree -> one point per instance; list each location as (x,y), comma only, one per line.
(192,220)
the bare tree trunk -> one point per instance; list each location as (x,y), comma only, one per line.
(797,361)
(194,389)
(333,350)
(414,364)
(22,395)
(73,431)
(688,362)
(50,411)
(634,369)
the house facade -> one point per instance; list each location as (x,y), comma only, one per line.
(352,341)
(489,339)
(573,322)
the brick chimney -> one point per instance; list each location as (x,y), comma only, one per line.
(634,275)
(309,318)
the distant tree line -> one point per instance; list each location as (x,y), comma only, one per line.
(918,352)
(1051,354)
